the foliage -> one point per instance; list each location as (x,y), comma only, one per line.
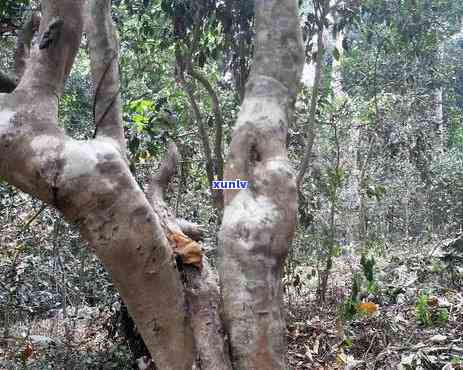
(11,11)
(368,264)
(361,283)
(428,313)
(423,314)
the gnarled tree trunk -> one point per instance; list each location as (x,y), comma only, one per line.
(258,222)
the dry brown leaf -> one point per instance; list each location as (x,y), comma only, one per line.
(27,352)
(368,307)
(189,251)
(433,301)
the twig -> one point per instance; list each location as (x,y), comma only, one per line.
(371,345)
(31,220)
(434,248)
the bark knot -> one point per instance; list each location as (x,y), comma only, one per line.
(51,34)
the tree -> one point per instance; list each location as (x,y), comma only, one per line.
(133,233)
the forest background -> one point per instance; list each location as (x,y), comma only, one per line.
(374,276)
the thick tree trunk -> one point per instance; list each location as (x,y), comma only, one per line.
(258,222)
(90,182)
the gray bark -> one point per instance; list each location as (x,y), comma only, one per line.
(201,286)
(259,222)
(91,184)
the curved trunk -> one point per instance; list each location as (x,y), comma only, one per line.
(259,222)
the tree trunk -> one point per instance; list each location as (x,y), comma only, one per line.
(90,182)
(259,222)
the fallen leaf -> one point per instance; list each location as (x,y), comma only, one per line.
(27,352)
(189,251)
(433,301)
(368,307)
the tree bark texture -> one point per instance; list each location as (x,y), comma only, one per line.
(90,181)
(258,222)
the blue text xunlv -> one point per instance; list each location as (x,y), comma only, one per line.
(237,184)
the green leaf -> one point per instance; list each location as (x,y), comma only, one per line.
(336,54)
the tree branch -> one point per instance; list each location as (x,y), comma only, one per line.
(23,43)
(22,53)
(48,67)
(157,189)
(104,51)
(181,64)
(219,123)
(168,168)
(311,127)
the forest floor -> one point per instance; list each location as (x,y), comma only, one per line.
(413,320)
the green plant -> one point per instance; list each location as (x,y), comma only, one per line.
(368,265)
(423,314)
(457,361)
(442,316)
(348,309)
(427,314)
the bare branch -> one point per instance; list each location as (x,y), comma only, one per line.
(23,43)
(50,64)
(216,195)
(104,51)
(219,123)
(166,171)
(22,52)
